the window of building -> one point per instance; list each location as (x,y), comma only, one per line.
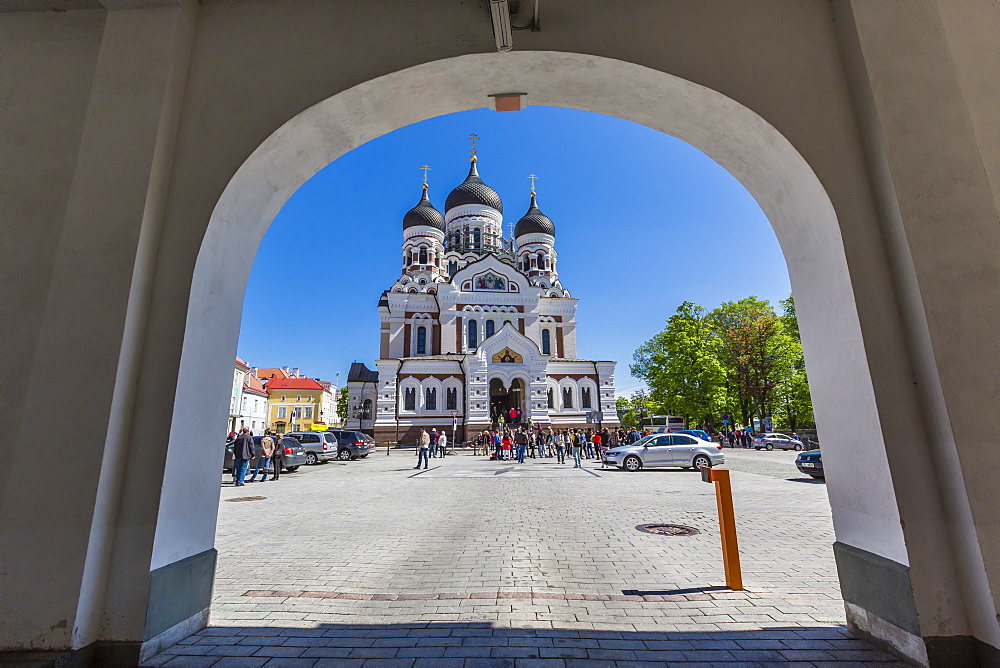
(430,399)
(451,399)
(307,412)
(567,397)
(423,256)
(552,400)
(298,397)
(473,334)
(421,340)
(366,409)
(541,261)
(409,399)
(546,342)
(490,328)
(282,412)
(309,398)
(585,397)
(452,268)
(282,397)
(477,238)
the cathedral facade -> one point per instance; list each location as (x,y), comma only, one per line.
(477,325)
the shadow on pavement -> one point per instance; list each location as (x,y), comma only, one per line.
(443,644)
(809,481)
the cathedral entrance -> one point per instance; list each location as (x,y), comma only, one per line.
(503,399)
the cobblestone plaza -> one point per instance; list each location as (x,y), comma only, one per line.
(472,562)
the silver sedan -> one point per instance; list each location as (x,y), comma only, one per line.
(665,450)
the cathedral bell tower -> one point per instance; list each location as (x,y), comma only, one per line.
(423,238)
(535,234)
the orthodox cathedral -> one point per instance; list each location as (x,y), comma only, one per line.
(475,326)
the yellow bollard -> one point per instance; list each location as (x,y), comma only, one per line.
(727,525)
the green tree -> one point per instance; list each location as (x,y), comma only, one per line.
(343,403)
(794,410)
(682,367)
(756,351)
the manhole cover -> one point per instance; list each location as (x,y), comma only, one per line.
(247,498)
(668,529)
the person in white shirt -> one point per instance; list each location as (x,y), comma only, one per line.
(443,443)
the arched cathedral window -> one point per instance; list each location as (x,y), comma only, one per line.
(451,399)
(421,340)
(409,399)
(473,334)
(430,399)
(490,328)
(567,397)
(546,342)
(541,261)
(585,397)
(423,256)
(552,399)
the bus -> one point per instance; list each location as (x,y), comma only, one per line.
(659,424)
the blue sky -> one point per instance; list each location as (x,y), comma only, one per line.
(643,223)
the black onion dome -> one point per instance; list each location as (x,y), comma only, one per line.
(473,191)
(534,222)
(424,213)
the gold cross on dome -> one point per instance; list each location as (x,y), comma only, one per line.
(533,178)
(473,137)
(425,169)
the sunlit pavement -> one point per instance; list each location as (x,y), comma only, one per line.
(474,562)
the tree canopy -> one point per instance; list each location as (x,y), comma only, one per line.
(741,359)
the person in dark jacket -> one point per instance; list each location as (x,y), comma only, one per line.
(277,459)
(243,451)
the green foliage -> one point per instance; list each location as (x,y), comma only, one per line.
(741,358)
(342,403)
(636,407)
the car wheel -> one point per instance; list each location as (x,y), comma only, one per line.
(310,458)
(632,463)
(769,447)
(756,447)
(798,446)
(701,461)
(343,455)
(291,469)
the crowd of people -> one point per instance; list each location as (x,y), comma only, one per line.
(268,454)
(525,442)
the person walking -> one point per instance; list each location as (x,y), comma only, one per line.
(507,446)
(434,442)
(577,449)
(498,445)
(521,439)
(278,458)
(443,443)
(560,441)
(264,455)
(597,439)
(242,454)
(423,448)
(532,444)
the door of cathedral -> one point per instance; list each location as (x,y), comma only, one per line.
(499,400)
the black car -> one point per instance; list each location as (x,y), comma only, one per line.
(292,458)
(353,444)
(810,462)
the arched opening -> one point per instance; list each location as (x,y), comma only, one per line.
(753,151)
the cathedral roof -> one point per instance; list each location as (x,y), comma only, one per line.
(423,213)
(534,221)
(473,191)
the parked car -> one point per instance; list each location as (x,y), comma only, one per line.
(810,463)
(697,433)
(320,446)
(352,444)
(680,450)
(770,441)
(294,455)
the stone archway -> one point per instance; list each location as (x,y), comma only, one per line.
(784,184)
(821,112)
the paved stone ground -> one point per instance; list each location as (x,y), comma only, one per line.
(473,562)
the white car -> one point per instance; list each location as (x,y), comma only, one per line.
(773,440)
(665,450)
